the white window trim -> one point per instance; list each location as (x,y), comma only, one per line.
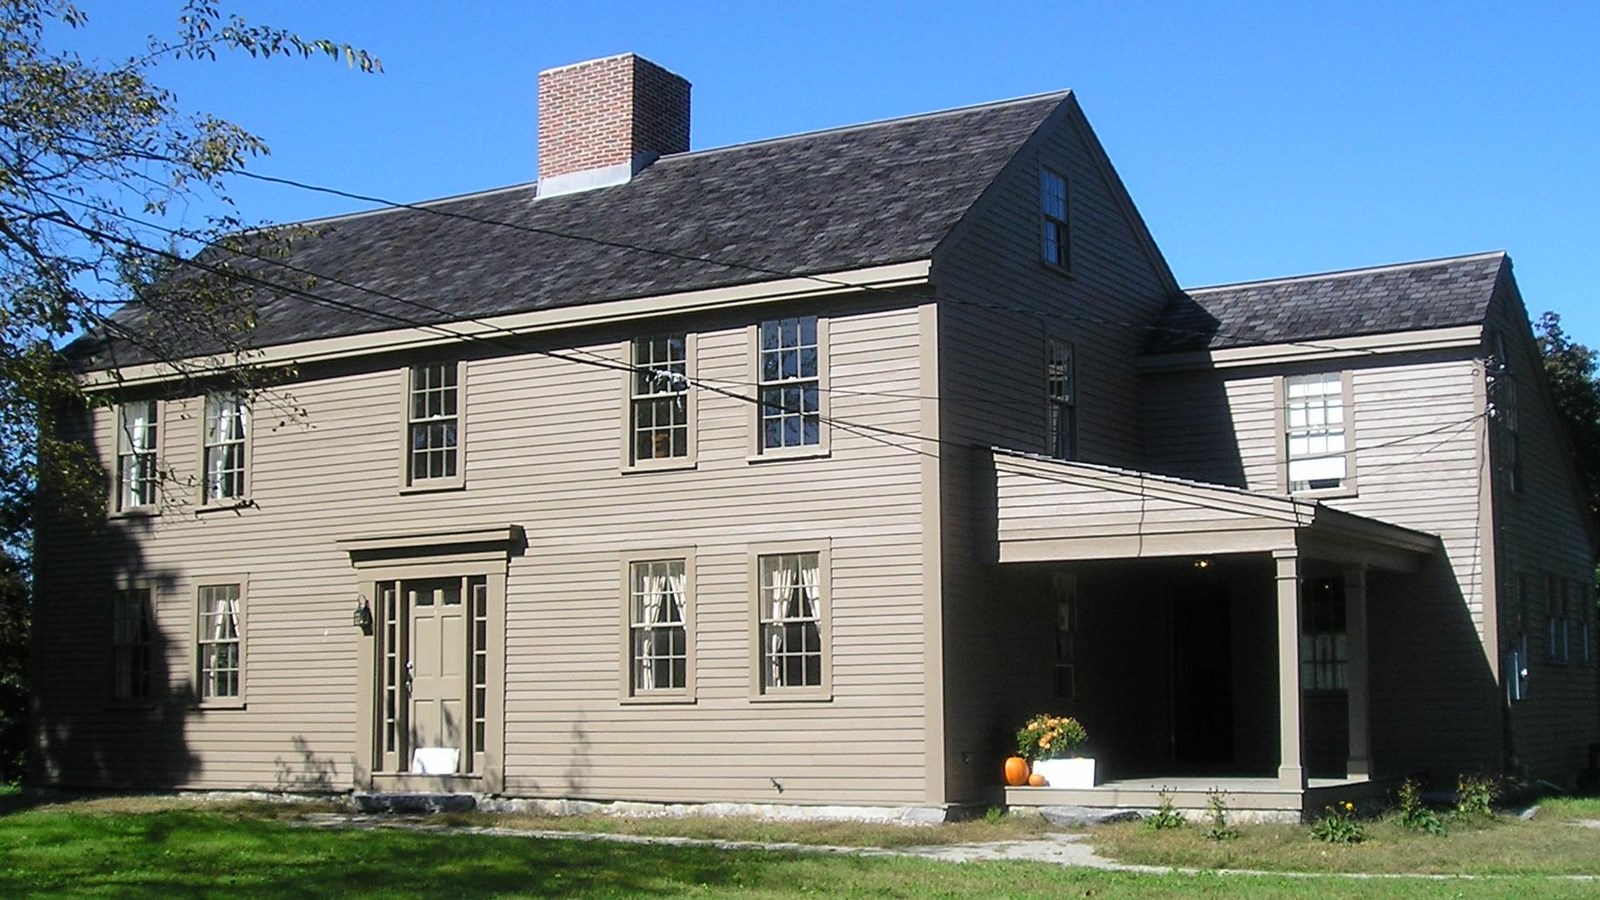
(207,503)
(1280,406)
(758,691)
(625,689)
(197,666)
(409,485)
(627,462)
(117,508)
(759,453)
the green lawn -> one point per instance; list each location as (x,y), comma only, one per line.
(160,848)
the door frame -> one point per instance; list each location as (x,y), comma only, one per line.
(481,553)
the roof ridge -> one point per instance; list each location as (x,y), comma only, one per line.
(876,123)
(1346,273)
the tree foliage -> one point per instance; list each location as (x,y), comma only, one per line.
(1571,369)
(98,167)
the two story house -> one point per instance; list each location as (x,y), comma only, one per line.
(801,472)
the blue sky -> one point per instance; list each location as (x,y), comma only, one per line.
(1258,140)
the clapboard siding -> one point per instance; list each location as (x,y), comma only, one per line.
(1540,534)
(541,449)
(998,302)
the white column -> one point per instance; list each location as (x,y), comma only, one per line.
(1357,673)
(1291,718)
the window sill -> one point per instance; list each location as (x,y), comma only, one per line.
(1059,271)
(797,695)
(432,487)
(218,705)
(137,512)
(235,505)
(667,700)
(1339,493)
(788,454)
(653,465)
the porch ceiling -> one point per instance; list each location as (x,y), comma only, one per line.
(1053,510)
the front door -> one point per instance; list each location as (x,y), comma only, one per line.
(432,678)
(1202,676)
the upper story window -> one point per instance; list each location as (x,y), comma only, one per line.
(659,414)
(659,653)
(1054,248)
(1503,404)
(789,365)
(433,434)
(1316,438)
(1061,400)
(137,477)
(132,634)
(226,426)
(220,643)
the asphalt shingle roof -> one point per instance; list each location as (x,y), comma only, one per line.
(834,200)
(1433,294)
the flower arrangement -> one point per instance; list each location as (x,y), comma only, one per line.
(1050,737)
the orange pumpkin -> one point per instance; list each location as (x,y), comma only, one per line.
(1036,780)
(1016,771)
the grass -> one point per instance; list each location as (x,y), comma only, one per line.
(186,848)
(1550,844)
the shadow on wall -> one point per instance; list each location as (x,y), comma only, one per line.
(307,771)
(96,727)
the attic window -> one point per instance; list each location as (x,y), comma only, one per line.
(1053,234)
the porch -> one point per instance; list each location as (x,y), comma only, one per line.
(1208,637)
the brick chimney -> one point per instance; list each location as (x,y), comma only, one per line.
(602,121)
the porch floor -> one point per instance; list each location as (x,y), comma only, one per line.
(1255,797)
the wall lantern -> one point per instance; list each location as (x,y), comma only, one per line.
(1202,563)
(362,617)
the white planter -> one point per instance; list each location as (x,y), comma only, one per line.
(1075,773)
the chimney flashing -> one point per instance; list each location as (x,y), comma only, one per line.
(602,121)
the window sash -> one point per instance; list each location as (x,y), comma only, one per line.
(789,380)
(790,606)
(1053,218)
(131,640)
(137,431)
(1061,400)
(659,398)
(220,642)
(432,421)
(658,636)
(1315,439)
(226,426)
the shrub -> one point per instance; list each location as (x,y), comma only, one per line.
(1475,796)
(1340,825)
(1414,814)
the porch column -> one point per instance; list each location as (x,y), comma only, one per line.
(1291,761)
(1357,679)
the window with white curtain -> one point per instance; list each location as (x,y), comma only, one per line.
(658,627)
(227,419)
(1316,432)
(137,478)
(791,611)
(220,643)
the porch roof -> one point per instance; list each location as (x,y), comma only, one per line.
(1055,510)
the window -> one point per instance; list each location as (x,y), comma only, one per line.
(136,454)
(790,365)
(792,632)
(660,659)
(1557,606)
(432,424)
(1503,407)
(219,643)
(1517,660)
(1053,231)
(1061,391)
(1324,653)
(1064,587)
(1315,416)
(659,410)
(131,637)
(227,420)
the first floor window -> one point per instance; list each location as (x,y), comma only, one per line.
(226,422)
(1065,589)
(433,423)
(790,382)
(131,639)
(660,398)
(220,642)
(1324,653)
(136,454)
(1315,416)
(658,634)
(791,621)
